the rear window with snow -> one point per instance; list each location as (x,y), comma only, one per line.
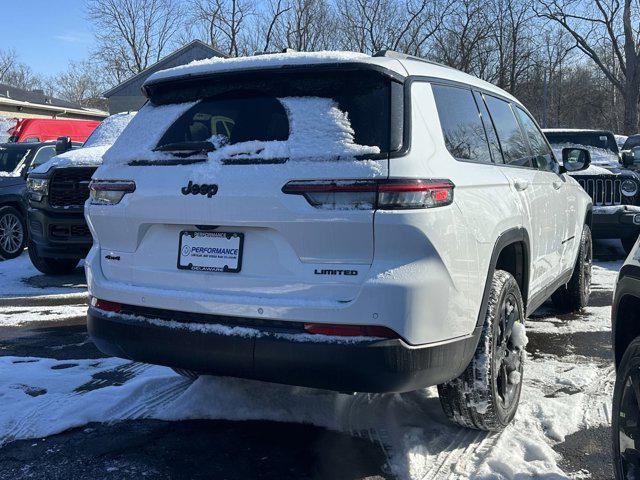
(340,115)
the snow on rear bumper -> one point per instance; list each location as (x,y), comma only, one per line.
(361,364)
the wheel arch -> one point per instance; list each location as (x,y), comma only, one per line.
(511,253)
(625,312)
(15,203)
(627,325)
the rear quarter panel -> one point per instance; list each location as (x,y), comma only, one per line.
(458,240)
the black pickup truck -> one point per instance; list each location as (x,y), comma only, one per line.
(16,160)
(614,188)
(57,190)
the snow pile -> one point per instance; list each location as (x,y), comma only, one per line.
(315,125)
(274,60)
(5,125)
(599,320)
(16,316)
(18,278)
(411,427)
(519,336)
(91,153)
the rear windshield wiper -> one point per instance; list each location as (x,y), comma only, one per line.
(187,147)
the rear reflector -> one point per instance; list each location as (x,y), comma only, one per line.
(389,194)
(350,330)
(105,305)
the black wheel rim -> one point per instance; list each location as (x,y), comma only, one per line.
(629,426)
(508,357)
(11,233)
(587,265)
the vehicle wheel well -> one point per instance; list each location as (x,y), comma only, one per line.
(588,218)
(627,324)
(15,205)
(513,259)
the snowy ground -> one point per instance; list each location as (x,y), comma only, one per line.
(52,379)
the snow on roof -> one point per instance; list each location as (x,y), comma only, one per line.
(402,65)
(573,130)
(273,60)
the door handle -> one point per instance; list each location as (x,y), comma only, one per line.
(558,184)
(521,184)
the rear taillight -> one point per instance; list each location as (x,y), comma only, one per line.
(110,192)
(105,305)
(391,194)
(350,330)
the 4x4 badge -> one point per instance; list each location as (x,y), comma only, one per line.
(208,189)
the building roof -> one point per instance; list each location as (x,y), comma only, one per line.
(162,62)
(19,97)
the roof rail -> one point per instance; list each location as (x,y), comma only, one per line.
(405,56)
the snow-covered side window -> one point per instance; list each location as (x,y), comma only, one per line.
(107,132)
(139,139)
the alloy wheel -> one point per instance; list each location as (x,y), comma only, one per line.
(629,426)
(11,233)
(508,357)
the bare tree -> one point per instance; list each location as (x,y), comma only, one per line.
(463,42)
(222,23)
(82,82)
(133,34)
(8,61)
(513,45)
(372,25)
(597,27)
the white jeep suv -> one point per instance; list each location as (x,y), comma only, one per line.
(335,220)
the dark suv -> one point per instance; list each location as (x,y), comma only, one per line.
(57,190)
(16,159)
(615,189)
(625,329)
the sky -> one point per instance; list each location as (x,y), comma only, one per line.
(47,34)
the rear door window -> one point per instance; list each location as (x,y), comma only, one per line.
(464,134)
(514,145)
(541,153)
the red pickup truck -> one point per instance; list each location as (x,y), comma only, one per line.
(43,129)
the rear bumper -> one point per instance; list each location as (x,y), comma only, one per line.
(56,235)
(616,222)
(385,365)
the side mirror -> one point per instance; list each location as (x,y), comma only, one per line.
(575,159)
(63,144)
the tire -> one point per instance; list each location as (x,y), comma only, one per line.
(629,242)
(486,395)
(190,374)
(626,414)
(52,266)
(574,296)
(13,233)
